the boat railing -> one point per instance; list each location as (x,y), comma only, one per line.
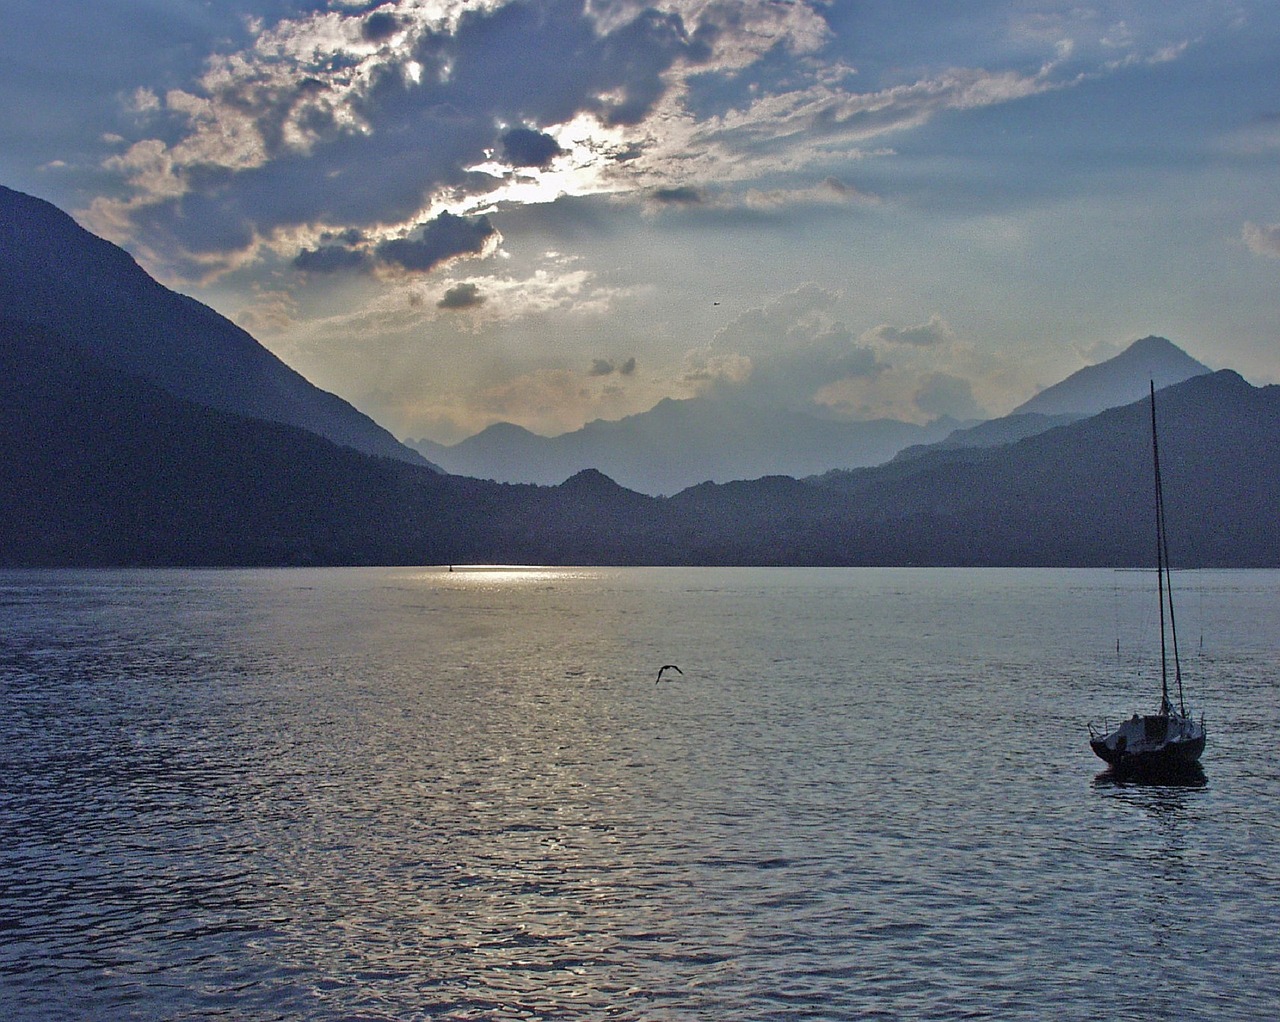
(1102,727)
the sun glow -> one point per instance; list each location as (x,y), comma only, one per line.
(505,576)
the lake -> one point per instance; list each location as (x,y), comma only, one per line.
(395,793)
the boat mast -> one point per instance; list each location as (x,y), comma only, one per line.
(1164,583)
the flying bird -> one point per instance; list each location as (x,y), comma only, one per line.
(667,667)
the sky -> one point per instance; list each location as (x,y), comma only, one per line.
(459,212)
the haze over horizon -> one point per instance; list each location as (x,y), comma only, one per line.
(453,214)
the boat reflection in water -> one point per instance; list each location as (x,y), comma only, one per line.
(1187,775)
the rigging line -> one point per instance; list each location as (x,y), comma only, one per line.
(1168,582)
(1155,455)
(1162,533)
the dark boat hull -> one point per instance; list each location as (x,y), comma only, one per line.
(1171,757)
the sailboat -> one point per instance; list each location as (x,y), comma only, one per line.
(1167,741)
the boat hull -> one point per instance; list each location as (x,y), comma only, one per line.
(1158,743)
(1172,756)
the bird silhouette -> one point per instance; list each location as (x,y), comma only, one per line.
(667,667)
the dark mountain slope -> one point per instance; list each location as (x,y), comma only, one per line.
(60,278)
(1081,494)
(104,469)
(100,468)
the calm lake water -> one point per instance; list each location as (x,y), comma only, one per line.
(412,794)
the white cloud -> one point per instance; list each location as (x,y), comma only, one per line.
(936,331)
(1263,239)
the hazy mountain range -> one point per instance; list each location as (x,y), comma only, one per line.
(677,444)
(103,464)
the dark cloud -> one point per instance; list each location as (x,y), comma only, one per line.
(379,26)
(444,238)
(192,235)
(463,296)
(524,147)
(922,335)
(423,119)
(607,367)
(683,195)
(351,236)
(330,259)
(790,378)
(636,55)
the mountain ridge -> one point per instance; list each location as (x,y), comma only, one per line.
(169,482)
(679,443)
(107,467)
(1116,381)
(62,278)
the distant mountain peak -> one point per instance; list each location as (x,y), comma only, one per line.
(590,480)
(1117,381)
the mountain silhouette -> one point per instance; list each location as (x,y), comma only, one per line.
(679,443)
(104,464)
(108,469)
(1117,381)
(1080,494)
(62,279)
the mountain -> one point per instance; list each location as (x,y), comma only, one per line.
(1117,381)
(104,468)
(109,457)
(67,282)
(1080,494)
(992,433)
(679,443)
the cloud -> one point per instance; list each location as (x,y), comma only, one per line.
(347,117)
(923,335)
(524,147)
(607,367)
(270,312)
(445,238)
(1262,239)
(678,195)
(461,296)
(331,259)
(706,370)
(430,245)
(288,131)
(380,26)
(783,354)
(941,394)
(831,191)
